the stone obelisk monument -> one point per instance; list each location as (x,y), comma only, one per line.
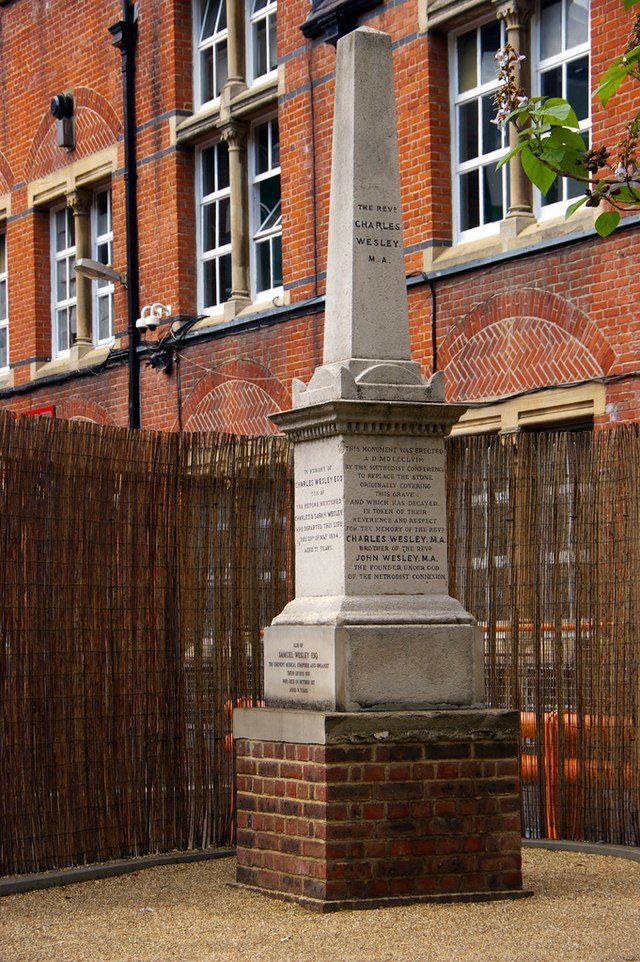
(374,774)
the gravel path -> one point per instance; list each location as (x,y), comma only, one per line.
(586,907)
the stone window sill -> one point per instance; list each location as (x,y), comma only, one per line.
(77,359)
(515,234)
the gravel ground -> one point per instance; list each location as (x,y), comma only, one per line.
(586,907)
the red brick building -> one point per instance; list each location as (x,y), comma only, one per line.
(528,315)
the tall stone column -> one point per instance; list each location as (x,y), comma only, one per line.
(516,15)
(236,45)
(373,673)
(80,203)
(234,135)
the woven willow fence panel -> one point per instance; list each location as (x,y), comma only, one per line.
(545,551)
(136,572)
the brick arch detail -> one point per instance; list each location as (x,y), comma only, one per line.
(521,339)
(6,175)
(97,127)
(81,409)
(229,400)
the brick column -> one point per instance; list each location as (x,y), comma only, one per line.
(374,809)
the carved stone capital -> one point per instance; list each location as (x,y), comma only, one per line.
(515,13)
(234,134)
(80,202)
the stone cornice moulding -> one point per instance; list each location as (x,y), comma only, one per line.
(448,14)
(380,418)
(250,102)
(87,173)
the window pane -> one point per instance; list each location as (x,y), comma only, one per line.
(72,277)
(209,227)
(260,65)
(210,283)
(263,252)
(208,170)
(269,199)
(3,253)
(262,152)
(3,300)
(469,201)
(258,5)
(102,253)
(577,22)
(206,75)
(104,318)
(491,133)
(468,130)
(578,86)
(225,276)
(551,82)
(72,323)
(63,330)
(273,52)
(4,354)
(275,144)
(61,230)
(276,253)
(554,194)
(223,166)
(492,194)
(550,28)
(467,61)
(71,228)
(222,66)
(61,280)
(224,222)
(489,43)
(102,214)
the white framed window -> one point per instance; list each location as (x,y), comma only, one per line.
(266,208)
(480,198)
(63,280)
(4,304)
(210,44)
(561,59)
(213,225)
(261,20)
(102,251)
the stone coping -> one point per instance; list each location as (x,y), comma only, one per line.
(307,727)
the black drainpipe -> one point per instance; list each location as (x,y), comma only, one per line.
(125,38)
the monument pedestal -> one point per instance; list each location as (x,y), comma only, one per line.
(367,809)
(373,776)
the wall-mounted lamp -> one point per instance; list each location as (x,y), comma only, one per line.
(98,271)
(62,110)
(151,315)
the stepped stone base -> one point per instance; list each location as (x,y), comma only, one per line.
(359,810)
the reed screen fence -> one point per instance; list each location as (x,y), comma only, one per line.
(137,570)
(544,549)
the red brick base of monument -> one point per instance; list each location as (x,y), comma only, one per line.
(378,808)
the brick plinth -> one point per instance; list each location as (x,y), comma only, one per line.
(381,808)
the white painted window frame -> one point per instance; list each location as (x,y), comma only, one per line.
(102,290)
(68,257)
(483,160)
(216,253)
(258,236)
(566,56)
(252,20)
(200,46)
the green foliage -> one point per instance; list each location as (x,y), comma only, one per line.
(550,144)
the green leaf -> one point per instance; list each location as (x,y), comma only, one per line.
(566,137)
(515,150)
(572,208)
(537,173)
(557,112)
(629,3)
(624,194)
(615,73)
(606,223)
